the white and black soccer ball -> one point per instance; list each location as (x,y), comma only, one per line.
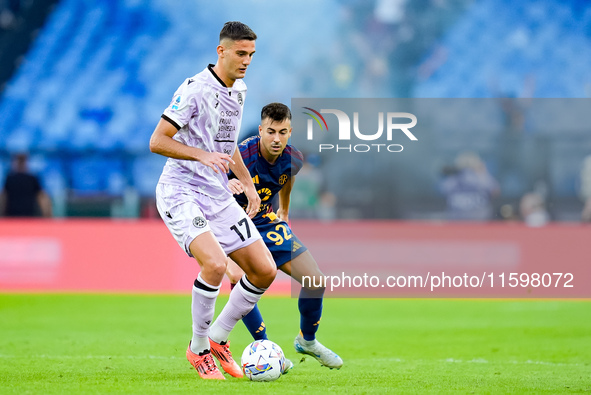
(263,360)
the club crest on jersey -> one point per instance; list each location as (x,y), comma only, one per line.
(240,99)
(199,222)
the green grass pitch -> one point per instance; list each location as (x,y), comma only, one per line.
(82,343)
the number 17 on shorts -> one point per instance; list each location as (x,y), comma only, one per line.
(233,228)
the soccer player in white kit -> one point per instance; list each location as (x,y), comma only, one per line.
(198,133)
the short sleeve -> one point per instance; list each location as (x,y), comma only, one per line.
(182,107)
(297,160)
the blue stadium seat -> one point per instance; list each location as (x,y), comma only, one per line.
(146,171)
(556,41)
(96,175)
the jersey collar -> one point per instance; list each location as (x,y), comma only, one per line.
(210,68)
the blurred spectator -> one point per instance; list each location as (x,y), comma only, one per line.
(586,214)
(508,213)
(327,206)
(23,195)
(148,209)
(585,191)
(469,188)
(533,210)
(309,199)
(9,11)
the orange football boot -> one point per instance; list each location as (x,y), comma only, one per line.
(204,365)
(224,355)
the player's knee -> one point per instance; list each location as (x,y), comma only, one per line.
(216,267)
(314,289)
(317,289)
(270,272)
(314,282)
(265,273)
(234,273)
(233,277)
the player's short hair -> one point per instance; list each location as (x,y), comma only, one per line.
(276,111)
(237,31)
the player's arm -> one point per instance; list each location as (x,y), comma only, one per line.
(162,143)
(3,199)
(44,202)
(284,197)
(239,168)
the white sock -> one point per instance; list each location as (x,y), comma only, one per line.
(242,299)
(202,311)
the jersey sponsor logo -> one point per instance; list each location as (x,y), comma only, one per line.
(223,136)
(229,113)
(265,194)
(282,179)
(264,207)
(225,127)
(199,222)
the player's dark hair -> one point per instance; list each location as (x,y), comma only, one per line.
(276,111)
(237,31)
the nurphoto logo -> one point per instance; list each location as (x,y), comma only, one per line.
(395,122)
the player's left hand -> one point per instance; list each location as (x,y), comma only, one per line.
(254,201)
(235,186)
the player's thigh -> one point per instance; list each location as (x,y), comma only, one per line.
(257,262)
(290,254)
(304,265)
(210,256)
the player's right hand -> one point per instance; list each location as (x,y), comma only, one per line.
(235,186)
(254,201)
(216,160)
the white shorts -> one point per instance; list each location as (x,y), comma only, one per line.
(188,213)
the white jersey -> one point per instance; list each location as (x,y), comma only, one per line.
(208,115)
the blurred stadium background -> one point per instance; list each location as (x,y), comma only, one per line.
(83,83)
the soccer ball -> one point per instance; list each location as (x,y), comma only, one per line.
(263,360)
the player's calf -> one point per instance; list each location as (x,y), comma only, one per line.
(257,262)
